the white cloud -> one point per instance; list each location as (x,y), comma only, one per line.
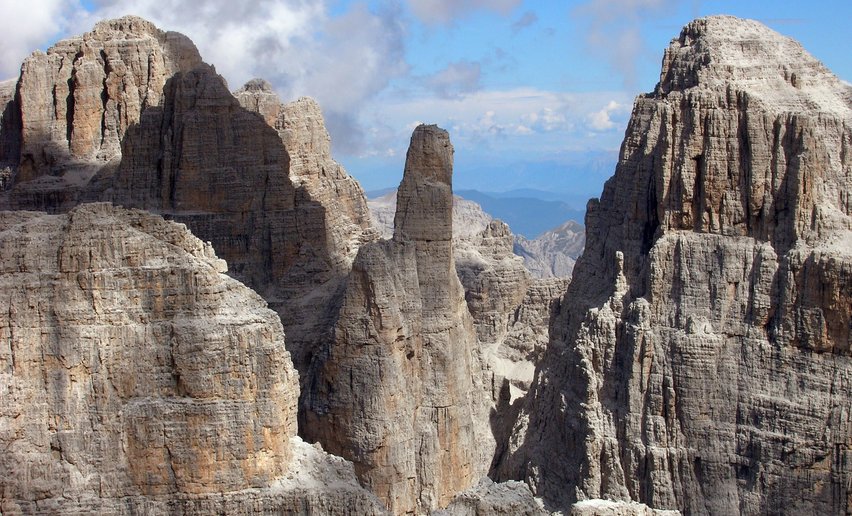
(298,46)
(602,120)
(447,11)
(527,120)
(29,24)
(456,78)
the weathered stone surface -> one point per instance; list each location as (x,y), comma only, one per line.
(701,358)
(495,280)
(553,253)
(10,132)
(511,311)
(77,100)
(133,366)
(488,498)
(613,508)
(287,225)
(140,378)
(333,218)
(396,389)
(469,220)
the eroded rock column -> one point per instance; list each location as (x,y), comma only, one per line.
(395,389)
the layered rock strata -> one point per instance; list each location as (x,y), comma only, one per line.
(263,189)
(469,220)
(133,367)
(74,104)
(334,217)
(553,253)
(396,390)
(701,358)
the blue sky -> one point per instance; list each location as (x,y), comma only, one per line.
(534,93)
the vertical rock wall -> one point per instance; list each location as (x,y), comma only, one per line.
(132,366)
(701,359)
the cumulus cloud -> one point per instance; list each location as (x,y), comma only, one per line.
(437,12)
(456,79)
(29,24)
(603,120)
(614,30)
(522,119)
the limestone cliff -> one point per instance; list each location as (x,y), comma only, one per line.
(395,391)
(136,374)
(74,104)
(701,358)
(332,216)
(262,189)
(553,253)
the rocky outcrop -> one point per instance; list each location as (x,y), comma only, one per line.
(263,189)
(613,508)
(138,376)
(138,367)
(300,126)
(10,132)
(553,253)
(75,103)
(701,357)
(511,310)
(488,498)
(395,391)
(333,218)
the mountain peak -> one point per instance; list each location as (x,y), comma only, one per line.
(739,54)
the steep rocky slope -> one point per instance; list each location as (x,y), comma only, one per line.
(136,376)
(701,357)
(553,253)
(258,183)
(74,104)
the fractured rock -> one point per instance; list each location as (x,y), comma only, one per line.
(134,367)
(75,102)
(396,390)
(701,357)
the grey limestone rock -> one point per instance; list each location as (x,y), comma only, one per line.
(133,366)
(553,253)
(74,104)
(701,357)
(396,389)
(138,378)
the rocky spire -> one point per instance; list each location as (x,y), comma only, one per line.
(425,197)
(396,389)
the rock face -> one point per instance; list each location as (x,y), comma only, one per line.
(139,377)
(263,189)
(332,218)
(75,103)
(701,357)
(396,391)
(553,253)
(138,367)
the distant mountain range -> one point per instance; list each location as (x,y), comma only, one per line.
(551,254)
(528,212)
